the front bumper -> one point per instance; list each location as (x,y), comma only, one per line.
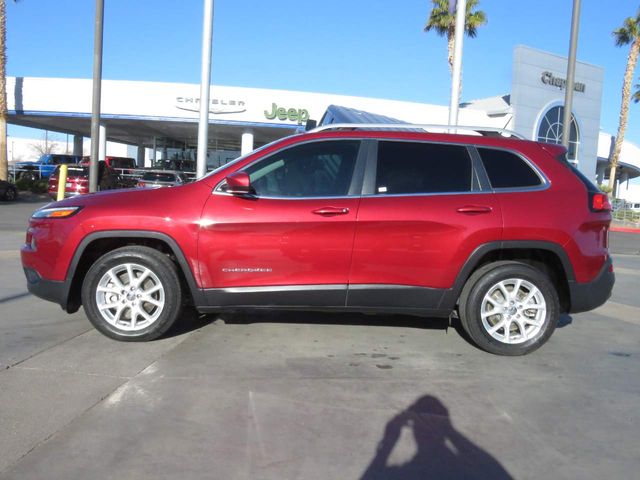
(51,290)
(590,295)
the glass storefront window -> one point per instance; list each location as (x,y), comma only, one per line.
(550,131)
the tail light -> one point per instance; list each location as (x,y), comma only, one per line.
(142,184)
(600,202)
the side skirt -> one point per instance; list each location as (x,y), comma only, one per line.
(389,299)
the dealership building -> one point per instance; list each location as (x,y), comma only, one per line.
(159,121)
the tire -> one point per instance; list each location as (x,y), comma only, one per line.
(10,194)
(123,311)
(513,329)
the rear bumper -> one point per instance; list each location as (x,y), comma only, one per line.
(51,290)
(590,295)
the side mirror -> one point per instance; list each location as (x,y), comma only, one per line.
(238,183)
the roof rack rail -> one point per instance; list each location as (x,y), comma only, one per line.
(484,131)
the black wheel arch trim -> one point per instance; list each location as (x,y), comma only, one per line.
(450,298)
(196,292)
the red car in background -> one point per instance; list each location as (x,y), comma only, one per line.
(77,181)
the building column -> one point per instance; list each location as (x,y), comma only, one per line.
(102,143)
(600,169)
(154,154)
(624,178)
(78,145)
(140,156)
(246,144)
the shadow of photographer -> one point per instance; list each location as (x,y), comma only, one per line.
(442,452)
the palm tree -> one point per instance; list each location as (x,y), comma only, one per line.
(443,21)
(636,96)
(628,34)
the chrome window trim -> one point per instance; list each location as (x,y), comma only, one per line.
(434,194)
(363,151)
(256,197)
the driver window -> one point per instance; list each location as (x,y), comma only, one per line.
(318,169)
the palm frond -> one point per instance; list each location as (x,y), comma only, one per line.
(443,21)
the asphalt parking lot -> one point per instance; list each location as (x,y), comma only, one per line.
(313,396)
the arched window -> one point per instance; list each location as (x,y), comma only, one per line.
(550,131)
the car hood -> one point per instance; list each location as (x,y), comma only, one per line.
(140,201)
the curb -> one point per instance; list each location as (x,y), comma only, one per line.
(624,229)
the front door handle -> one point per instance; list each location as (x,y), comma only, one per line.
(474,209)
(331,211)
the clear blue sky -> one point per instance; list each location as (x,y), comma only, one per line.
(365,48)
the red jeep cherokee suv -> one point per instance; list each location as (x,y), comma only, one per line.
(503,231)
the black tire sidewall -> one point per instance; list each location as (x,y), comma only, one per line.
(161,266)
(472,320)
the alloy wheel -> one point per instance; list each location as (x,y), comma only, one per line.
(513,311)
(130,297)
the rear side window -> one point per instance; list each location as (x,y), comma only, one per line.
(507,170)
(411,167)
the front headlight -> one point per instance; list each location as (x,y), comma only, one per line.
(56,212)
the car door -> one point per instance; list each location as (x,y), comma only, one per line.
(423,212)
(290,241)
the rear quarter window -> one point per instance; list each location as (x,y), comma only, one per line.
(507,170)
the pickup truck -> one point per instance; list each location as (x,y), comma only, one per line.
(44,166)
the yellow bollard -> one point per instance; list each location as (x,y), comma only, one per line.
(62,181)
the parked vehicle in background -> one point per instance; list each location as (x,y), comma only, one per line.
(126,164)
(125,167)
(8,191)
(44,166)
(122,164)
(503,232)
(78,180)
(161,178)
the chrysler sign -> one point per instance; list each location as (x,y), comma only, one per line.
(217,106)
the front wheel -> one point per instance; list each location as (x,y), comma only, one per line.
(132,294)
(509,308)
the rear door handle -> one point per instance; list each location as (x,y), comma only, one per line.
(331,211)
(474,209)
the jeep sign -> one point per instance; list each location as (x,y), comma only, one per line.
(295,115)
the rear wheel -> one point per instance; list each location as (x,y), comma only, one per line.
(132,294)
(10,195)
(509,308)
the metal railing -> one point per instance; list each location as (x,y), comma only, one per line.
(623,213)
